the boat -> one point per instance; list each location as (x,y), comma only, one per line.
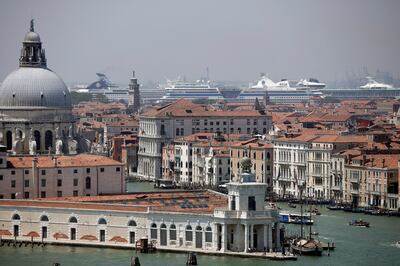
(284,91)
(201,89)
(306,247)
(315,211)
(374,85)
(335,207)
(359,223)
(291,205)
(104,86)
(398,244)
(291,218)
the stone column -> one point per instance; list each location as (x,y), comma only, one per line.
(269,237)
(223,237)
(252,236)
(246,237)
(265,236)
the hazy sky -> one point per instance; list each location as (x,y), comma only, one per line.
(236,39)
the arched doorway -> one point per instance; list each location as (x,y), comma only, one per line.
(36,135)
(199,237)
(163,235)
(48,140)
(9,140)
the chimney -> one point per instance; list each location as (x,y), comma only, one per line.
(372,161)
(383,163)
(364,159)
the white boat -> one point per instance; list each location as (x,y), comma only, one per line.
(374,85)
(311,83)
(201,89)
(284,91)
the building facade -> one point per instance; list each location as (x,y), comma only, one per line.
(158,127)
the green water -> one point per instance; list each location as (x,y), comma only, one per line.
(355,246)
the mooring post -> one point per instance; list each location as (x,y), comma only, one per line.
(135,261)
(191,259)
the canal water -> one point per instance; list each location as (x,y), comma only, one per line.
(354,246)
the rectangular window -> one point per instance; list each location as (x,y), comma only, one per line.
(59,171)
(59,193)
(12,172)
(252,203)
(75,182)
(87,170)
(1,177)
(26,195)
(12,195)
(59,182)
(12,183)
(26,183)
(43,172)
(44,231)
(102,170)
(43,182)
(118,169)
(75,193)
(75,171)
(27,172)
(43,194)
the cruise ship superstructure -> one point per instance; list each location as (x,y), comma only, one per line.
(284,91)
(103,85)
(201,89)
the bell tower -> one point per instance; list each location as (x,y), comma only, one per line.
(32,54)
(134,95)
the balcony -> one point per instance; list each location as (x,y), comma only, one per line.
(354,180)
(337,187)
(228,214)
(354,191)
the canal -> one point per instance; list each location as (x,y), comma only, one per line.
(355,246)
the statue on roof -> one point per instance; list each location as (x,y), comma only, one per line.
(32,25)
(32,143)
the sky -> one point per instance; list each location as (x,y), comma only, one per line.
(236,40)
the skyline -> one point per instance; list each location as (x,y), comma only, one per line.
(235,40)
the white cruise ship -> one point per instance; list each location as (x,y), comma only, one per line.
(374,85)
(284,91)
(200,89)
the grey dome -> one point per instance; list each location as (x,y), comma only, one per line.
(34,87)
(32,37)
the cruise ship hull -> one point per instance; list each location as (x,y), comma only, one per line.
(290,96)
(362,94)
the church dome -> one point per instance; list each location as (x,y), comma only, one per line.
(34,87)
(32,37)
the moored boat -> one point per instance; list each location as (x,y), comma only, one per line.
(359,223)
(291,205)
(306,247)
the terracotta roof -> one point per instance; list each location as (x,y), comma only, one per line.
(4,232)
(186,108)
(80,160)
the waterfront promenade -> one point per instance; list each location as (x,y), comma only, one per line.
(355,246)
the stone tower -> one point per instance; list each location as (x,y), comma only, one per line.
(134,95)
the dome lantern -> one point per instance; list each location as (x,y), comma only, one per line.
(32,54)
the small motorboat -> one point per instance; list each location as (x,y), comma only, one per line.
(315,211)
(291,205)
(314,233)
(359,223)
(398,244)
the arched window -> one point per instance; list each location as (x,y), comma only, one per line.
(48,139)
(9,140)
(16,217)
(268,155)
(163,226)
(172,232)
(44,218)
(36,135)
(153,231)
(88,183)
(189,233)
(208,234)
(102,221)
(163,235)
(131,223)
(73,220)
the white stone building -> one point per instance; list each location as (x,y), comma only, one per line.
(201,221)
(159,126)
